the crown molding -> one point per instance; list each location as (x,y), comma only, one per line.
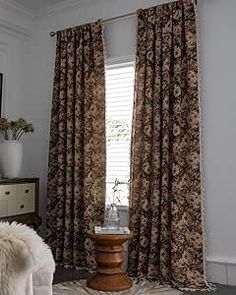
(14,29)
(15,19)
(15,7)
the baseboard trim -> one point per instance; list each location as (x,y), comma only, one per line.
(221,270)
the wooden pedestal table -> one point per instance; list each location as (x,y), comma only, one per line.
(109,256)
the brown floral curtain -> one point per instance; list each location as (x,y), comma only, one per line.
(165,205)
(77,145)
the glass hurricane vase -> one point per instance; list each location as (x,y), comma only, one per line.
(112,217)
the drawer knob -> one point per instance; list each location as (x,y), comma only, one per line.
(7,193)
(22,206)
(26,191)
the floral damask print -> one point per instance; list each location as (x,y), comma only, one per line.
(77,145)
(165,193)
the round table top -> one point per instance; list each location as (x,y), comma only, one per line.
(110,238)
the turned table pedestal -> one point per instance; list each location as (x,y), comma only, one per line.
(109,276)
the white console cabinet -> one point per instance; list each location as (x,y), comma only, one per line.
(19,200)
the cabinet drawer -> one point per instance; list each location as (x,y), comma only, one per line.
(26,190)
(8,192)
(3,208)
(22,205)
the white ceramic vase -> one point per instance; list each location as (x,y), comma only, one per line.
(11,153)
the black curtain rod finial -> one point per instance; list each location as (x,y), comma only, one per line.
(52,34)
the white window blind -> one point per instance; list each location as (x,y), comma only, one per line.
(119,107)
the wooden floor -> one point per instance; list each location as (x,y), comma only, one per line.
(63,275)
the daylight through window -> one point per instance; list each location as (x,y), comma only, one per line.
(119,105)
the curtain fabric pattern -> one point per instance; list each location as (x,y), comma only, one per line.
(76,177)
(165,205)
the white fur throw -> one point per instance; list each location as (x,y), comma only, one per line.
(26,262)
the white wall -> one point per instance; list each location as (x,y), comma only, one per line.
(218,47)
(15,38)
(13,52)
(15,32)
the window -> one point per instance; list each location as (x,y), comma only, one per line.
(119,107)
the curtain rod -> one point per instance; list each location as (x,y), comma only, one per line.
(107,20)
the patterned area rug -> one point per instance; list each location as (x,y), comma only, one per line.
(144,288)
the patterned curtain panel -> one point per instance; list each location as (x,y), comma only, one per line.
(76,177)
(165,205)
